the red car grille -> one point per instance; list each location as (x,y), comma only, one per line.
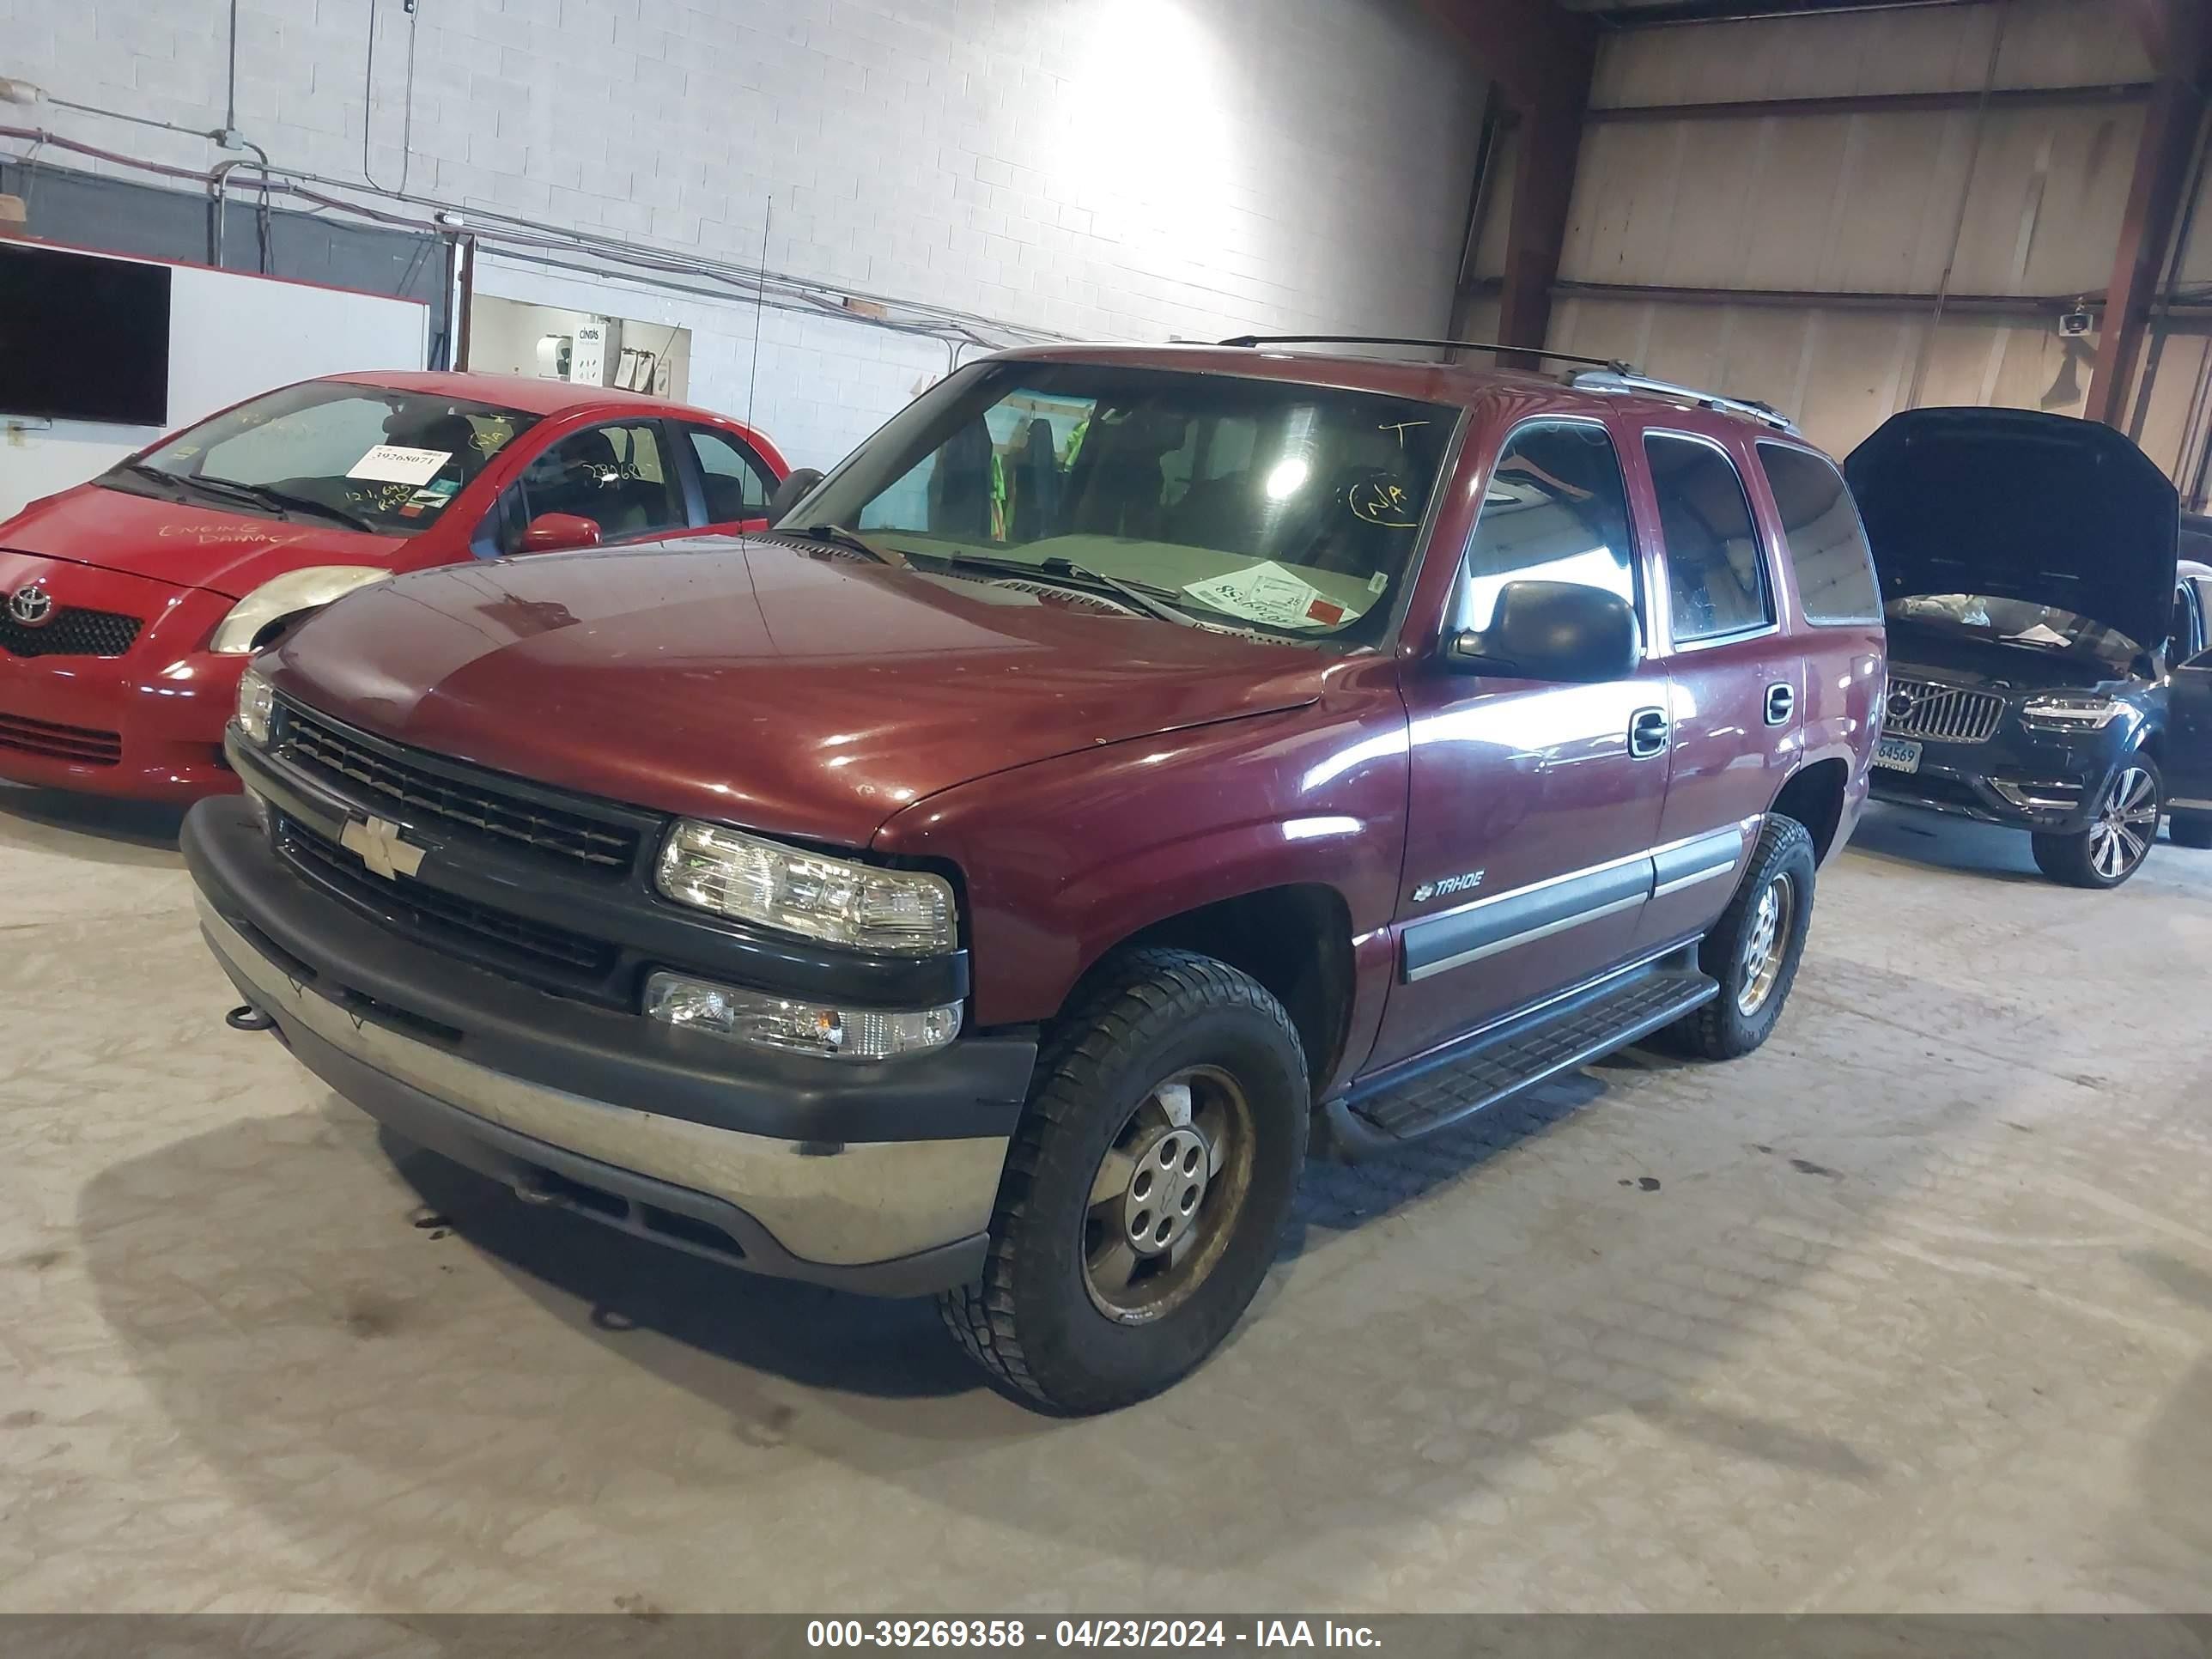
(68,743)
(71,632)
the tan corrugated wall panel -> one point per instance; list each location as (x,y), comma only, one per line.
(1941,49)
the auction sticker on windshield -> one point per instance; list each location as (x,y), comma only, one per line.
(1269,594)
(395,464)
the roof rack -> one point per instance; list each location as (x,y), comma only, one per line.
(1603,374)
(1243,340)
(1621,378)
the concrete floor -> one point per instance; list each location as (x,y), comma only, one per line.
(1913,1309)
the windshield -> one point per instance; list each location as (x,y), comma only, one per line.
(361,457)
(1256,505)
(2016,622)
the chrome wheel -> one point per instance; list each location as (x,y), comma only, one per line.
(1165,1197)
(1766,944)
(2125,825)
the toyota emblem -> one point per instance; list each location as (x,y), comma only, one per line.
(32,606)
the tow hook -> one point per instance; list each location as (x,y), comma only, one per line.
(247,1018)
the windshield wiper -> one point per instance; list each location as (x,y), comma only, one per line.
(284,502)
(154,474)
(851,540)
(1145,596)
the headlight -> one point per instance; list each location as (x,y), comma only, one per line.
(255,700)
(2073,711)
(286,596)
(805,1028)
(897,912)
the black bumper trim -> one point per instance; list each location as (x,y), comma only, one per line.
(641,1205)
(974,1086)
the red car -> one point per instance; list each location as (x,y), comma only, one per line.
(129,605)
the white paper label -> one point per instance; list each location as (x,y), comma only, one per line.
(393,464)
(1268,593)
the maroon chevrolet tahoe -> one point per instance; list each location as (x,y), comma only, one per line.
(1131,768)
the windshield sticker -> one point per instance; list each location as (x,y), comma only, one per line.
(1268,593)
(395,463)
(1378,582)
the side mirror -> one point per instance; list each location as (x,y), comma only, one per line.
(792,491)
(1561,631)
(551,533)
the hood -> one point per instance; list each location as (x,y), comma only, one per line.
(183,543)
(801,693)
(2020,505)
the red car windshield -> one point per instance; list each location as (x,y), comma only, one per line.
(373,459)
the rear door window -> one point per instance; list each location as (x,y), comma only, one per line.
(737,484)
(1716,573)
(1554,510)
(1826,543)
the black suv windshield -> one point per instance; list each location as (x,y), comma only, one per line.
(1257,505)
(2017,622)
(360,457)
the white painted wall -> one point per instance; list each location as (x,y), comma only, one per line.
(1101,169)
(231,335)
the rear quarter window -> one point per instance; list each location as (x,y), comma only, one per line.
(1825,542)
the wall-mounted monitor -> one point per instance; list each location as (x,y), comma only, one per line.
(84,337)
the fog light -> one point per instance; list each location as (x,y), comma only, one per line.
(805,1027)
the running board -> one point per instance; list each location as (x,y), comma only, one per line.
(1499,1064)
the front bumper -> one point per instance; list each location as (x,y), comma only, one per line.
(875,1177)
(2022,782)
(146,726)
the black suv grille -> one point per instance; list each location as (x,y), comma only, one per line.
(408,792)
(69,633)
(529,950)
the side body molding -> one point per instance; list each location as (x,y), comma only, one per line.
(1452,938)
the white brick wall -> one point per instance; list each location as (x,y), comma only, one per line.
(1105,168)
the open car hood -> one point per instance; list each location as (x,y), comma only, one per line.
(2020,505)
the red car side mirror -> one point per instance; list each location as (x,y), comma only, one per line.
(550,532)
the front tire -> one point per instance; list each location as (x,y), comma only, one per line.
(2119,836)
(1146,1188)
(1753,950)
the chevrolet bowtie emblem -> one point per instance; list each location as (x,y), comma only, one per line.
(382,847)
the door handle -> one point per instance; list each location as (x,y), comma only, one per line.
(1781,702)
(1647,733)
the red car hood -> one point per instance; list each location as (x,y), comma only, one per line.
(805,695)
(230,553)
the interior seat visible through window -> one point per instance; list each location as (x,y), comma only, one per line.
(616,476)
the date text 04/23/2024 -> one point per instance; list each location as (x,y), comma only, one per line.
(1087,1633)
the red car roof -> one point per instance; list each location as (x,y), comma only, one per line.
(523,391)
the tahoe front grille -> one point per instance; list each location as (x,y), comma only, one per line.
(385,779)
(69,632)
(1940,714)
(528,948)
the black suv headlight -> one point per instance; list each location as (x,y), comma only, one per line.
(2071,711)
